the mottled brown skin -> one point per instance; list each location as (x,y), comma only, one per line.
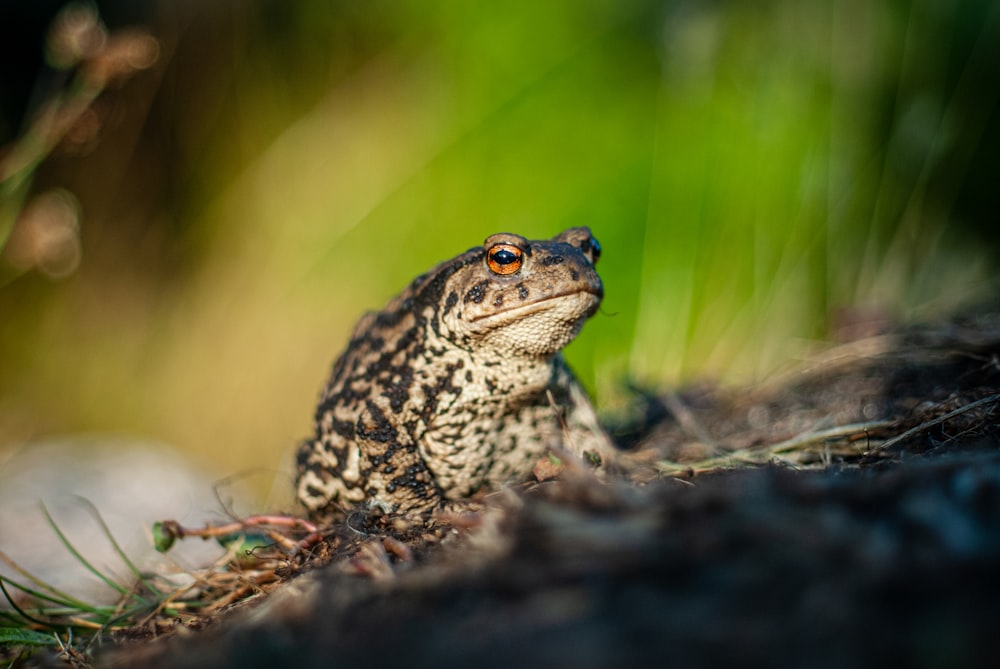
(457,384)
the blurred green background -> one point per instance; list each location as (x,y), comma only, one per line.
(763,175)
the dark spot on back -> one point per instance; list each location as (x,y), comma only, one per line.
(381,431)
(306,449)
(397,390)
(574,274)
(522,291)
(443,384)
(450,302)
(498,300)
(552,260)
(313,491)
(344,428)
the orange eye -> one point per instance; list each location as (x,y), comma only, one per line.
(504,259)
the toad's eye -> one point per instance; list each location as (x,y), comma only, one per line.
(504,259)
(592,247)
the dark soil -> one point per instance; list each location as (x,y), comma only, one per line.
(845,515)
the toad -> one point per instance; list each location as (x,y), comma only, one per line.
(458,384)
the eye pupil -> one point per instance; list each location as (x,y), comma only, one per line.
(503,257)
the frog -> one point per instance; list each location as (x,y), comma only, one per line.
(459,385)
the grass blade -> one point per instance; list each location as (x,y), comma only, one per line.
(83,561)
(56,596)
(42,596)
(140,577)
(12,636)
(21,612)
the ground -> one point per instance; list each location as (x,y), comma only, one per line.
(847,514)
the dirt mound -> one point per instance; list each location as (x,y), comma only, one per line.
(847,515)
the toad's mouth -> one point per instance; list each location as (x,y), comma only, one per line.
(546,304)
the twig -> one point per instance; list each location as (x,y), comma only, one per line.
(761,454)
(168,531)
(992,399)
(839,432)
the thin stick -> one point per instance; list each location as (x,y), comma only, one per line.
(763,453)
(841,431)
(992,399)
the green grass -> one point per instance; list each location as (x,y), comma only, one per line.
(45,616)
(750,169)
